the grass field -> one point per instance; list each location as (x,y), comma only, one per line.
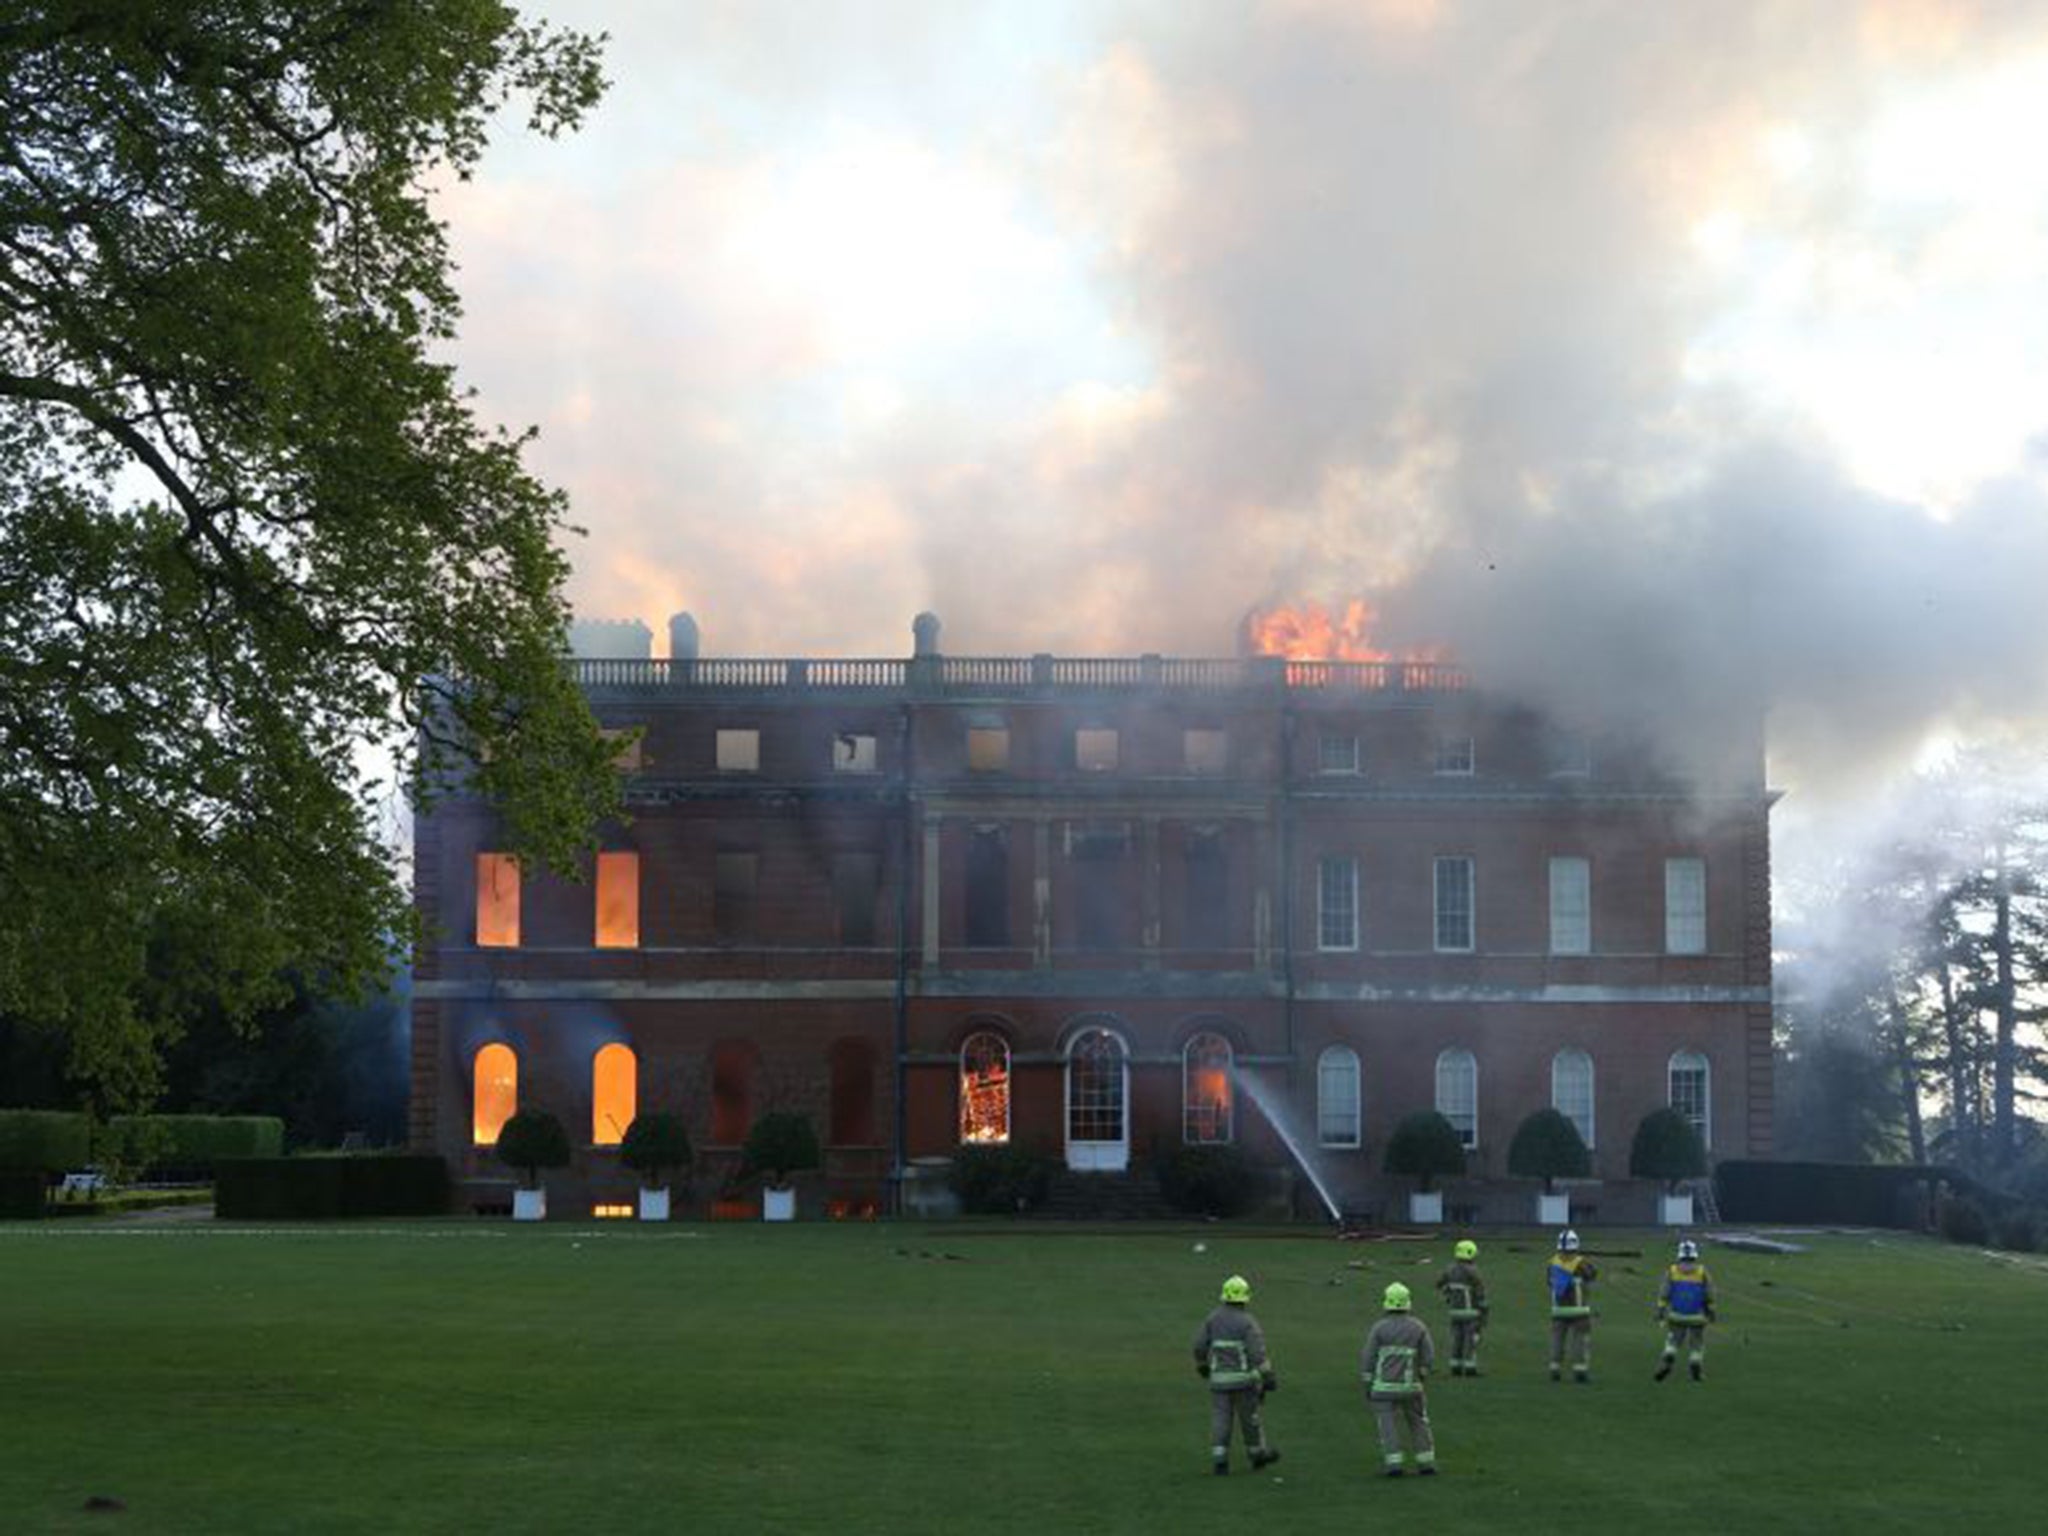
(472,1377)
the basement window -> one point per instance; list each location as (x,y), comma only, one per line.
(739,751)
(604,1211)
(497,901)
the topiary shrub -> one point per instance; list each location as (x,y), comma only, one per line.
(1962,1221)
(1667,1148)
(780,1144)
(997,1180)
(1208,1181)
(1548,1146)
(1425,1147)
(2019,1230)
(655,1143)
(532,1140)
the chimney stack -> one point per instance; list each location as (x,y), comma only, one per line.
(682,637)
(924,630)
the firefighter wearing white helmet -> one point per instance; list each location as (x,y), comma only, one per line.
(1570,1275)
(1685,1305)
(1464,1292)
(1230,1353)
(1395,1362)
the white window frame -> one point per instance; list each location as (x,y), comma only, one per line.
(1685,906)
(1340,762)
(1575,1059)
(1457,1060)
(1346,908)
(1457,757)
(1341,1062)
(1692,1061)
(1571,885)
(1471,904)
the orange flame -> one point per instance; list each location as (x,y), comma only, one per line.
(1311,632)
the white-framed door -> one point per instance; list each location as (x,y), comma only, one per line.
(1098,1102)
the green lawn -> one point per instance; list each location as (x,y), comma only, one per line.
(470,1377)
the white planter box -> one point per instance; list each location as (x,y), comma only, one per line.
(1553,1210)
(654,1205)
(778,1205)
(529,1205)
(1426,1210)
(1675,1210)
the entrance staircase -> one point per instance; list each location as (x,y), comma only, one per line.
(1129,1196)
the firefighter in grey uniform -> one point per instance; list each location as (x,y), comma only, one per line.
(1465,1293)
(1230,1352)
(1395,1361)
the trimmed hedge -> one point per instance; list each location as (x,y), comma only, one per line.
(22,1194)
(324,1187)
(1208,1181)
(1854,1194)
(49,1140)
(999,1180)
(190,1146)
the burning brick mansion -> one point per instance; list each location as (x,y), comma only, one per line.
(1082,905)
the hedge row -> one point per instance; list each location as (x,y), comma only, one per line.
(21,1193)
(44,1139)
(317,1188)
(190,1146)
(1854,1194)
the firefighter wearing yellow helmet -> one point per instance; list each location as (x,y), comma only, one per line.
(1394,1362)
(1230,1353)
(1464,1292)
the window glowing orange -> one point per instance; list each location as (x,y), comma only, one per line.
(614,1094)
(984,1089)
(497,901)
(496,1093)
(618,900)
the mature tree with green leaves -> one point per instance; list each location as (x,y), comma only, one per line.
(249,524)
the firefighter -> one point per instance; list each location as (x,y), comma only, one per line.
(1395,1362)
(1465,1293)
(1571,1276)
(1230,1352)
(1685,1305)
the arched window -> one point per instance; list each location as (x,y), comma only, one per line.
(1098,1101)
(614,1094)
(1457,1093)
(732,1092)
(1337,1105)
(984,1088)
(1571,1090)
(853,1094)
(1205,1089)
(1691,1091)
(494,1094)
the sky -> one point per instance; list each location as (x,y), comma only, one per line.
(1641,356)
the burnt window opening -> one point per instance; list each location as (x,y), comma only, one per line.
(497,901)
(988,889)
(988,748)
(1102,913)
(853,1094)
(1207,892)
(854,752)
(732,1093)
(614,1094)
(618,900)
(856,881)
(494,1093)
(984,1089)
(732,896)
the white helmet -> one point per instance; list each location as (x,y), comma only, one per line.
(1567,1241)
(1688,1249)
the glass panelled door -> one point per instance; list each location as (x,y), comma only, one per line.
(1098,1103)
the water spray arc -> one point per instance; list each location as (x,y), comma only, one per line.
(1276,1116)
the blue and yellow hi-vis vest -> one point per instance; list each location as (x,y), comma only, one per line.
(1567,1287)
(1686,1301)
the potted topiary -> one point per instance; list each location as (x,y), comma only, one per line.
(1425,1146)
(532,1140)
(1547,1146)
(1668,1148)
(652,1145)
(780,1144)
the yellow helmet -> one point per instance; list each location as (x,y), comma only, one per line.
(1237,1289)
(1467,1249)
(1397,1298)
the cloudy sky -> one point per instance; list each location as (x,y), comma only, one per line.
(1635,352)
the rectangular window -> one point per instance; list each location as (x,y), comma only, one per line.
(1571,754)
(630,741)
(1208,892)
(1689,1091)
(1454,755)
(1337,1117)
(856,876)
(853,752)
(1571,907)
(732,895)
(497,901)
(1101,910)
(988,889)
(1336,754)
(1454,904)
(739,751)
(1457,1094)
(1337,904)
(988,749)
(1685,906)
(618,900)
(1095,750)
(1205,751)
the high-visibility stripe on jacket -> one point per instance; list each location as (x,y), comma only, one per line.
(1567,1287)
